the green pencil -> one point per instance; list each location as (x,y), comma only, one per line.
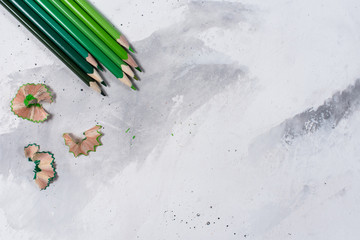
(50,45)
(100,32)
(56,38)
(66,36)
(103,22)
(90,35)
(89,45)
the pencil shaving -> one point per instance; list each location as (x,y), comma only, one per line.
(44,165)
(26,103)
(86,145)
(31,150)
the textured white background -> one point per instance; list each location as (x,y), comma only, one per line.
(233,82)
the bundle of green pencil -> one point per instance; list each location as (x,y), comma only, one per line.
(79,36)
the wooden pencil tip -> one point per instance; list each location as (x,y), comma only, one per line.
(132,50)
(134,88)
(96,76)
(138,68)
(104,83)
(96,87)
(103,93)
(126,81)
(90,59)
(136,78)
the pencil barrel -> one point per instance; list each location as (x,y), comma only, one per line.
(106,57)
(46,41)
(51,34)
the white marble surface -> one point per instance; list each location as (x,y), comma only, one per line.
(264,145)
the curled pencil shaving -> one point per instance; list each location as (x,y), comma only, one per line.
(44,165)
(88,144)
(30,151)
(26,103)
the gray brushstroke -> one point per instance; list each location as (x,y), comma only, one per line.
(327,116)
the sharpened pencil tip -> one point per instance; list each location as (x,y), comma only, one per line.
(136,78)
(133,88)
(132,50)
(138,68)
(103,93)
(104,83)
